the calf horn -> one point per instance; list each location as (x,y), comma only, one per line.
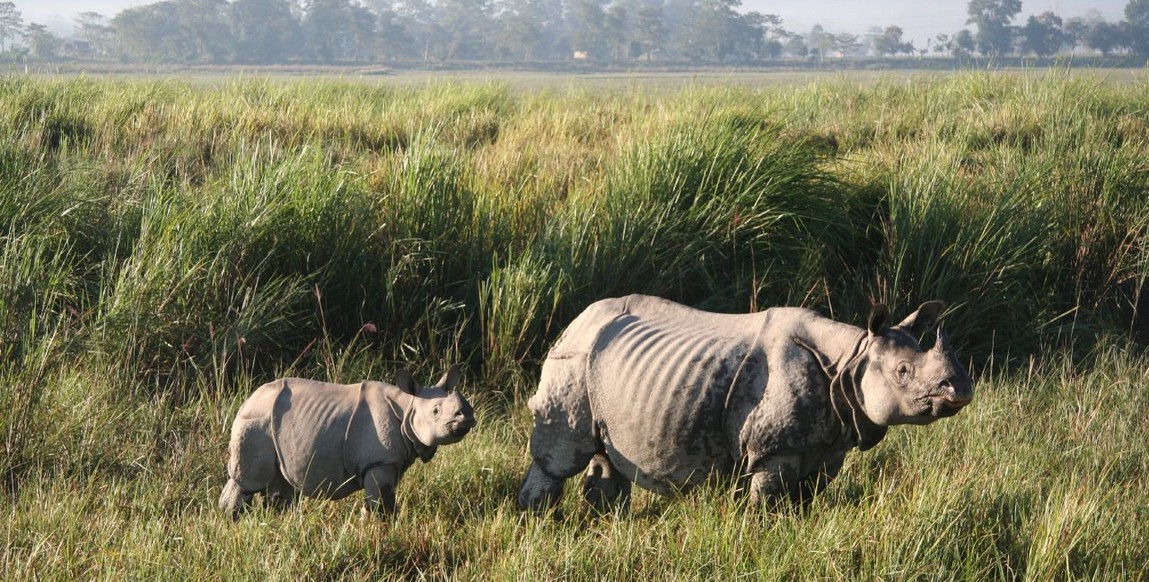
(943,343)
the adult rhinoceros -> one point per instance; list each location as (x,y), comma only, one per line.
(648,391)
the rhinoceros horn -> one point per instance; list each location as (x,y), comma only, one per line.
(943,343)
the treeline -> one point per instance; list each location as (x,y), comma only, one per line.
(695,31)
(344,31)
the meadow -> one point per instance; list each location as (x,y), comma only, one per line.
(168,245)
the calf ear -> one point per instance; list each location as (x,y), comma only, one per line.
(448,381)
(924,318)
(878,316)
(405,382)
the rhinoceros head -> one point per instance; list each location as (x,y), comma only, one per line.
(904,384)
(439,416)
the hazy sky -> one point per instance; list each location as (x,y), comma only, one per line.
(920,19)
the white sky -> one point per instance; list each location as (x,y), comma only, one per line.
(920,19)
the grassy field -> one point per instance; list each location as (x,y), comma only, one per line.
(166,246)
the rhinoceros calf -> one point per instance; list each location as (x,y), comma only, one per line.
(641,389)
(330,440)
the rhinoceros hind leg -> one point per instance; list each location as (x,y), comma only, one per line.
(604,486)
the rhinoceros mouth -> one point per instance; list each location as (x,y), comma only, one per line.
(460,428)
(945,406)
(938,406)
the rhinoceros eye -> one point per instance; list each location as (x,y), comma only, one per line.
(435,410)
(904,372)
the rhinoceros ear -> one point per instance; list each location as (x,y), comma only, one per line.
(878,316)
(924,318)
(448,381)
(405,382)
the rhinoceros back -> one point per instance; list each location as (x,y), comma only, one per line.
(309,427)
(659,378)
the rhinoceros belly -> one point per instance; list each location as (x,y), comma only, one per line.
(659,390)
(310,425)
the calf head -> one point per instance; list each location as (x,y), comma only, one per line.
(439,416)
(904,384)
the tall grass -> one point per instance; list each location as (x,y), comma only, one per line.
(167,246)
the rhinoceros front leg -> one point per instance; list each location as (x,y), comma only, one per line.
(234,500)
(782,477)
(379,490)
(604,486)
(774,479)
(280,494)
(540,491)
(815,482)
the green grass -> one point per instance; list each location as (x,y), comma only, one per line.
(167,246)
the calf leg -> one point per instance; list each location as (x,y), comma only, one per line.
(604,486)
(379,490)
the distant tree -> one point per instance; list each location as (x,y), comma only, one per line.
(1073,31)
(819,42)
(993,17)
(206,29)
(151,33)
(711,30)
(363,31)
(266,31)
(92,27)
(963,43)
(530,29)
(1042,35)
(846,44)
(466,27)
(326,27)
(723,29)
(773,49)
(11,23)
(748,32)
(420,20)
(616,26)
(42,43)
(1104,37)
(1137,26)
(889,42)
(586,21)
(943,43)
(395,41)
(772,26)
(650,29)
(796,47)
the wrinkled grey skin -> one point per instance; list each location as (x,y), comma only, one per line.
(329,440)
(640,389)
